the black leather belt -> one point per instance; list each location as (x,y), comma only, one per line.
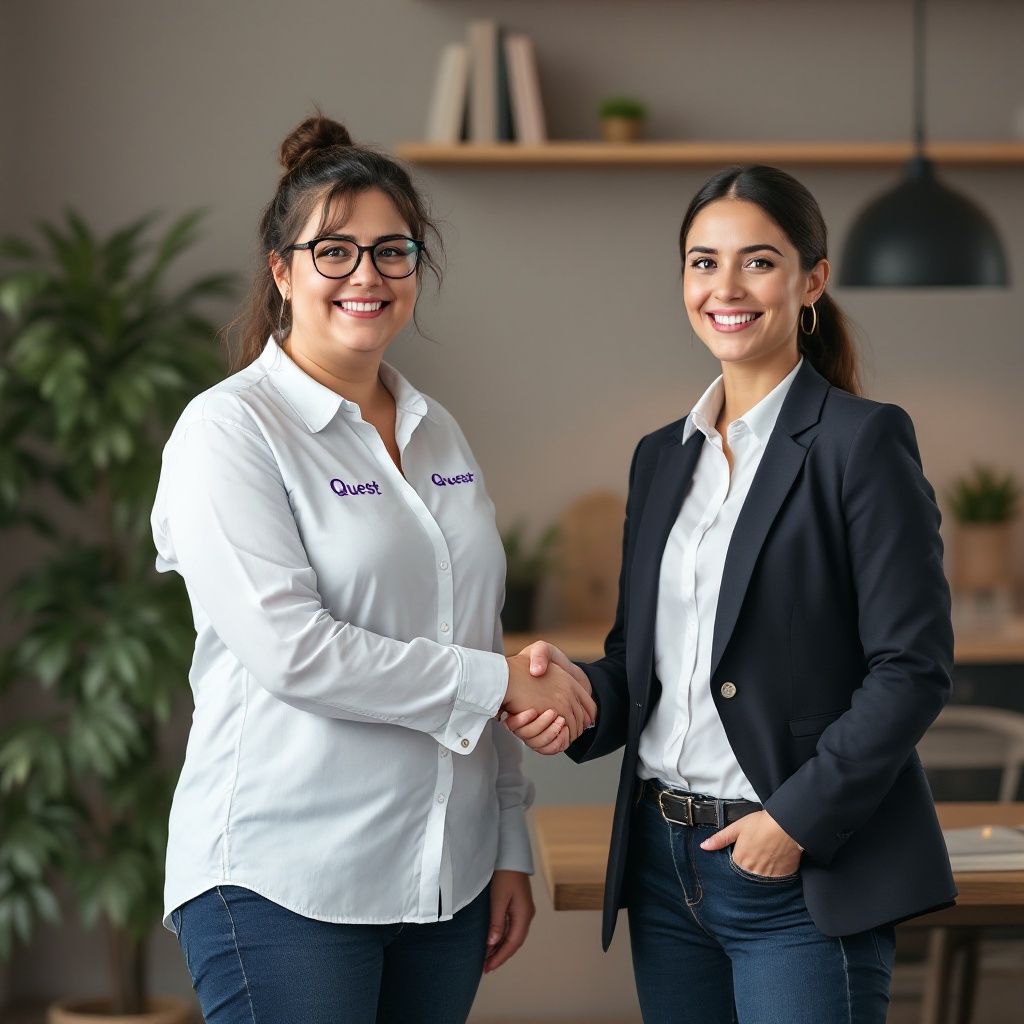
(690,809)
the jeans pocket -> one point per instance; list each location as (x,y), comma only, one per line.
(762,879)
(176,923)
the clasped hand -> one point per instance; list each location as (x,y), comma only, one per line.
(548,700)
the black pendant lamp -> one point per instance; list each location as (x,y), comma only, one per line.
(922,234)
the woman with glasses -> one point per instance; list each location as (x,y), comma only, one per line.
(347,838)
(782,642)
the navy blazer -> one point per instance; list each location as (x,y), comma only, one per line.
(833,624)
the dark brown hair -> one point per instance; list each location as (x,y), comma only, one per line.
(322,165)
(830,349)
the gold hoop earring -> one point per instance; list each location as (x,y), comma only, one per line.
(814,319)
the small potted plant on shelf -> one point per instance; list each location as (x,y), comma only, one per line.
(984,504)
(98,355)
(622,118)
(527,564)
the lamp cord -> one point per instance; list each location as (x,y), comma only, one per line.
(919,77)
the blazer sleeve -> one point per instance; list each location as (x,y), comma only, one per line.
(608,676)
(903,604)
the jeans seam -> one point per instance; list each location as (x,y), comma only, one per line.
(238,953)
(181,939)
(846,978)
(675,865)
(692,908)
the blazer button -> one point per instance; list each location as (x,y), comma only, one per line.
(728,690)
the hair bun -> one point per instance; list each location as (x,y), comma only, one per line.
(314,134)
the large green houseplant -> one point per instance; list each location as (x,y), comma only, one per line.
(98,355)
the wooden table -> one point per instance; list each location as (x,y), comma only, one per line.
(572,842)
(994,646)
(573,845)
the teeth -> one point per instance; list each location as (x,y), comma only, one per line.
(361,307)
(734,318)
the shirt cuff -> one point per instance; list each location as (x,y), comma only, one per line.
(483,680)
(514,852)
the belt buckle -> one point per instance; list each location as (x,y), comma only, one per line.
(687,801)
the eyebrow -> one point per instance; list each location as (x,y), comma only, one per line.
(745,251)
(355,241)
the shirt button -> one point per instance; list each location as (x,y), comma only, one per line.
(465,743)
(444,752)
(444,627)
(728,690)
(440,798)
(442,565)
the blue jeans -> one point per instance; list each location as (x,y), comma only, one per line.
(253,962)
(714,944)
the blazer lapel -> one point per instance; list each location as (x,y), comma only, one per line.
(780,465)
(672,476)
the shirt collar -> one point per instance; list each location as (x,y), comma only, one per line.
(705,412)
(317,405)
(760,420)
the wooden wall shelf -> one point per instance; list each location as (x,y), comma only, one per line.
(687,154)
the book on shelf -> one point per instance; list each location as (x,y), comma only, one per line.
(483,40)
(988,848)
(506,124)
(487,90)
(524,90)
(448,102)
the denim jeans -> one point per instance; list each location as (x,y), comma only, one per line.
(714,944)
(253,962)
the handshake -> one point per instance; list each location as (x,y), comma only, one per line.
(548,702)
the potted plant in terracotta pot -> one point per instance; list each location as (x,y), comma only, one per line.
(527,564)
(984,504)
(98,355)
(622,118)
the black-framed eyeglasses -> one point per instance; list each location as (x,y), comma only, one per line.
(337,257)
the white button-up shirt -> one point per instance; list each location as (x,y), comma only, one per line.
(684,743)
(344,760)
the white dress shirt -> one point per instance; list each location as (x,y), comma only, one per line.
(684,743)
(343,761)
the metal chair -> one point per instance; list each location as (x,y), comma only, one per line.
(966,737)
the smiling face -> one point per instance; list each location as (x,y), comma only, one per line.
(744,287)
(344,325)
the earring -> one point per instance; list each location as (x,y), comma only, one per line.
(814,319)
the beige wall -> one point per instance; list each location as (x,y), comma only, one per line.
(554,363)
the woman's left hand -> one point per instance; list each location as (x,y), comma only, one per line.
(511,912)
(760,846)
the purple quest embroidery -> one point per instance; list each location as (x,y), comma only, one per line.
(446,481)
(341,488)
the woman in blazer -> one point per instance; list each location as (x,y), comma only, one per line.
(782,642)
